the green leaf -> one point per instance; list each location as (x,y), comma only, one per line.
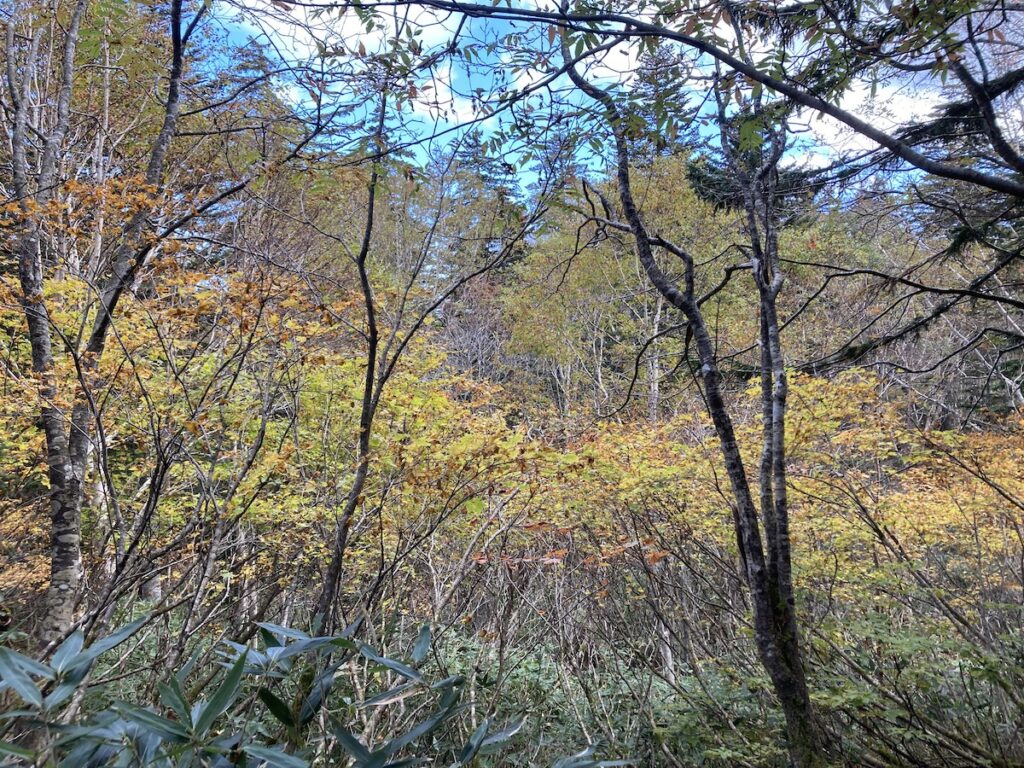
(395,666)
(307,645)
(344,642)
(475,506)
(31,666)
(275,757)
(577,759)
(268,638)
(427,726)
(166,729)
(7,748)
(318,690)
(276,629)
(395,694)
(65,654)
(189,665)
(222,698)
(351,629)
(59,694)
(277,708)
(12,674)
(173,698)
(475,742)
(422,646)
(14,714)
(114,640)
(350,743)
(750,134)
(453,681)
(496,739)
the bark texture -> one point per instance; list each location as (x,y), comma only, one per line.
(765,559)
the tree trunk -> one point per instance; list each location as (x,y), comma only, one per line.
(68,440)
(768,577)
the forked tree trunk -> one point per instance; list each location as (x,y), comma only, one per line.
(65,469)
(326,602)
(69,437)
(768,577)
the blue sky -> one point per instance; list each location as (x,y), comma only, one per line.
(452,96)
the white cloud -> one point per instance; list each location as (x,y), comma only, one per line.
(890,106)
(439,100)
(301,33)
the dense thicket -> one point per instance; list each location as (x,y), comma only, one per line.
(511,384)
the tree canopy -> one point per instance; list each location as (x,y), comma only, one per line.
(577,384)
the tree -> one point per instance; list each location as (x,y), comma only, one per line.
(764,542)
(68,442)
(153,214)
(449,254)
